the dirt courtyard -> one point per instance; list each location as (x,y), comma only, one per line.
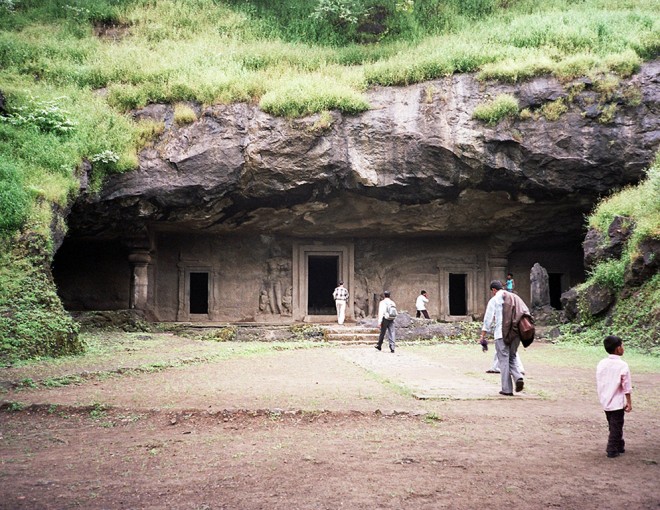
(158,421)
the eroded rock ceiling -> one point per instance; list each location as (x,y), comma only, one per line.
(417,163)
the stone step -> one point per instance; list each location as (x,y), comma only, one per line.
(347,337)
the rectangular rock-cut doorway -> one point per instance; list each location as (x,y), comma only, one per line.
(198,293)
(322,278)
(317,268)
(457,294)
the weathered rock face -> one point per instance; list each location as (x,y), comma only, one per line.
(598,247)
(416,164)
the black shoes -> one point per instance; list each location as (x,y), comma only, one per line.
(506,394)
(377,347)
(611,455)
(392,351)
(520,384)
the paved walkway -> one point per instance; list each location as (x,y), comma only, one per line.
(427,379)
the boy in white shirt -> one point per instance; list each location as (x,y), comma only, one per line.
(614,387)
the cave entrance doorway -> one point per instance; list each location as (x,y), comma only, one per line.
(322,271)
(457,294)
(199,293)
(554,284)
(317,268)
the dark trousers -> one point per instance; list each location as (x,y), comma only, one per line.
(420,312)
(387,326)
(615,442)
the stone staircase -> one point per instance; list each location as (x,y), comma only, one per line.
(350,334)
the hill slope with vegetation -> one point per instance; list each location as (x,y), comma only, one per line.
(70,73)
(622,293)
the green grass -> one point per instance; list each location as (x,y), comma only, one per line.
(71,71)
(640,203)
(504,105)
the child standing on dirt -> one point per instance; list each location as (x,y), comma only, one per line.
(614,388)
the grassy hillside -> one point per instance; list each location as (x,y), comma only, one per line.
(636,313)
(70,71)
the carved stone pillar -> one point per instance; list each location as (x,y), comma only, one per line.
(497,268)
(139,260)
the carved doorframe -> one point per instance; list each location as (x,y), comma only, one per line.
(301,254)
(471,270)
(186,267)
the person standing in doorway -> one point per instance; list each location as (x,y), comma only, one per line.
(420,304)
(510,283)
(506,350)
(386,315)
(340,296)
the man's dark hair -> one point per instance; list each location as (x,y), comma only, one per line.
(386,293)
(496,284)
(423,292)
(341,282)
(611,343)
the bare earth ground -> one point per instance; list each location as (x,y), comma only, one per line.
(168,422)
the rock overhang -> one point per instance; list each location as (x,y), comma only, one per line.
(408,167)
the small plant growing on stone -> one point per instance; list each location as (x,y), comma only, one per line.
(227,334)
(323,123)
(554,109)
(184,114)
(607,114)
(492,112)
(148,131)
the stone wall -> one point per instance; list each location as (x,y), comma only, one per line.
(260,278)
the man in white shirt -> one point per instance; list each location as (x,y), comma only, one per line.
(420,304)
(385,323)
(340,296)
(506,354)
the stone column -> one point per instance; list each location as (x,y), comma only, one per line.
(139,260)
(497,266)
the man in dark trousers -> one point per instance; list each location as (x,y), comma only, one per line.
(386,321)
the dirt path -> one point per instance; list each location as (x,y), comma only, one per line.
(330,427)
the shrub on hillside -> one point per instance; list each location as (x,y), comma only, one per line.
(14,200)
(32,320)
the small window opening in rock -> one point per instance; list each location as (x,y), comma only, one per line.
(199,293)
(457,294)
(322,278)
(554,283)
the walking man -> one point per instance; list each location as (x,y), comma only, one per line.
(420,304)
(340,295)
(386,315)
(506,342)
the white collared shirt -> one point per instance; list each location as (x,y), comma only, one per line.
(493,315)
